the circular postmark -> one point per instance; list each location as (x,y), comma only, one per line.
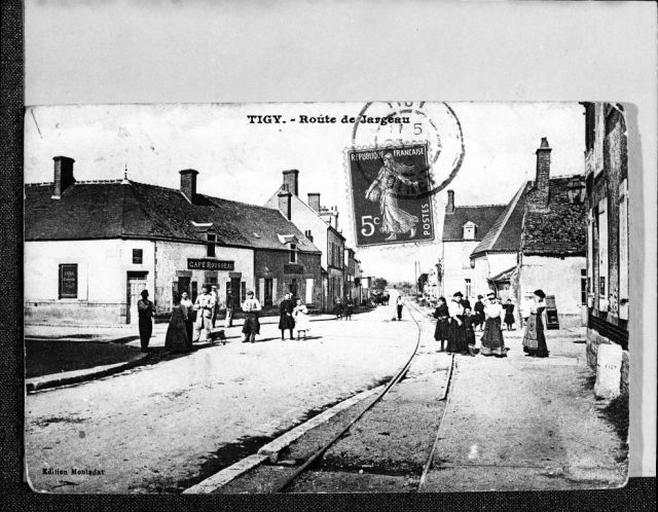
(389,128)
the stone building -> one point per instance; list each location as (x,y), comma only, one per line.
(606,179)
(320,225)
(464,228)
(92,247)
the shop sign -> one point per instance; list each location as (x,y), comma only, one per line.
(293,268)
(209,264)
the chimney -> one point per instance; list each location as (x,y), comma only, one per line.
(291,181)
(188,183)
(314,201)
(539,196)
(63,175)
(450,207)
(285,204)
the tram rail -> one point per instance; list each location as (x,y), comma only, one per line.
(285,483)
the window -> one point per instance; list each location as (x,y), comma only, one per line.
(469,231)
(293,253)
(138,256)
(623,250)
(212,240)
(467,287)
(583,286)
(68,281)
(603,253)
(292,287)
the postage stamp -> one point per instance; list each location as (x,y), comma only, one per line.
(390,194)
(435,124)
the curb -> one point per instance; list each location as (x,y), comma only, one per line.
(75,376)
(271,450)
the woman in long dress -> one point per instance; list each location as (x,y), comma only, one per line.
(492,339)
(441,332)
(177,339)
(302,323)
(251,326)
(456,327)
(395,220)
(534,340)
(188,307)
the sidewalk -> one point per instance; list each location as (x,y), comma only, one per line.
(523,423)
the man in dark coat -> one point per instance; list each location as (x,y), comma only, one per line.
(145,311)
(479,314)
(286,320)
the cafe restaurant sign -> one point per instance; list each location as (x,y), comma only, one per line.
(209,264)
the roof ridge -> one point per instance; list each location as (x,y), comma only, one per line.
(483,205)
(508,213)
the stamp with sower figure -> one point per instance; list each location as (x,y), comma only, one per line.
(390,194)
(394,169)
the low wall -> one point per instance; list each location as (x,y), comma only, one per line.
(594,339)
(74,313)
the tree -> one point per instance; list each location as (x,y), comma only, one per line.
(379,283)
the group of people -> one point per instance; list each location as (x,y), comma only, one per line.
(343,309)
(293,317)
(457,323)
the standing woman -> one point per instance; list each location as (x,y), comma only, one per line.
(145,310)
(456,329)
(187,306)
(441,333)
(492,339)
(286,321)
(251,326)
(534,340)
(176,339)
(509,314)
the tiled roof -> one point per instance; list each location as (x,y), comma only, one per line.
(482,216)
(505,233)
(560,231)
(137,210)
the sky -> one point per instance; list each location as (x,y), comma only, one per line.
(243,161)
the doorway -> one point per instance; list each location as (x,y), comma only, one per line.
(136,283)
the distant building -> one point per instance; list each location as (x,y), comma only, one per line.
(320,225)
(92,247)
(464,228)
(606,178)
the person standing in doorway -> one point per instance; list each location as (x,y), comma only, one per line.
(228,321)
(534,339)
(286,320)
(145,312)
(492,339)
(188,311)
(399,305)
(204,307)
(251,326)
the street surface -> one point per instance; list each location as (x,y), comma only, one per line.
(512,423)
(161,428)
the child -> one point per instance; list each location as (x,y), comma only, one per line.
(302,323)
(509,314)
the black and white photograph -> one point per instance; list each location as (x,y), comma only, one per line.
(327,297)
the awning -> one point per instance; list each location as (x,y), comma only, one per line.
(504,277)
